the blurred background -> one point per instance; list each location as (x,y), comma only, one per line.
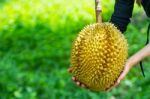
(35,42)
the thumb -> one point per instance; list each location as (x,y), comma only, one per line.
(123,74)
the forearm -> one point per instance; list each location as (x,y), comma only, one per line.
(140,55)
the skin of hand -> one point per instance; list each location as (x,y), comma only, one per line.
(78,83)
(121,77)
(123,74)
(132,61)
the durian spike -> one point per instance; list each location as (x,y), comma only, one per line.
(98,10)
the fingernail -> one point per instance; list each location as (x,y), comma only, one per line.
(73,78)
(78,83)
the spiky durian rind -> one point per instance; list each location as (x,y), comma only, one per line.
(98,56)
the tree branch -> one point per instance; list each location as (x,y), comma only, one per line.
(98,11)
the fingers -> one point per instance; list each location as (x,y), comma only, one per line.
(121,77)
(116,84)
(78,83)
(108,89)
(70,70)
(83,86)
(73,78)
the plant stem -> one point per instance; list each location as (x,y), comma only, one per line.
(98,11)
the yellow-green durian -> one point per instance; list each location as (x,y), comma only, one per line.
(98,56)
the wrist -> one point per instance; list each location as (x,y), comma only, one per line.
(129,63)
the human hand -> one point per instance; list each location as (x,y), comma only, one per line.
(122,75)
(77,82)
(133,60)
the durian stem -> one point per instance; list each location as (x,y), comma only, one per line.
(98,11)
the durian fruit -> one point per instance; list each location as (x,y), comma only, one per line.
(98,56)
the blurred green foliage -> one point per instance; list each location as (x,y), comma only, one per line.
(35,42)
